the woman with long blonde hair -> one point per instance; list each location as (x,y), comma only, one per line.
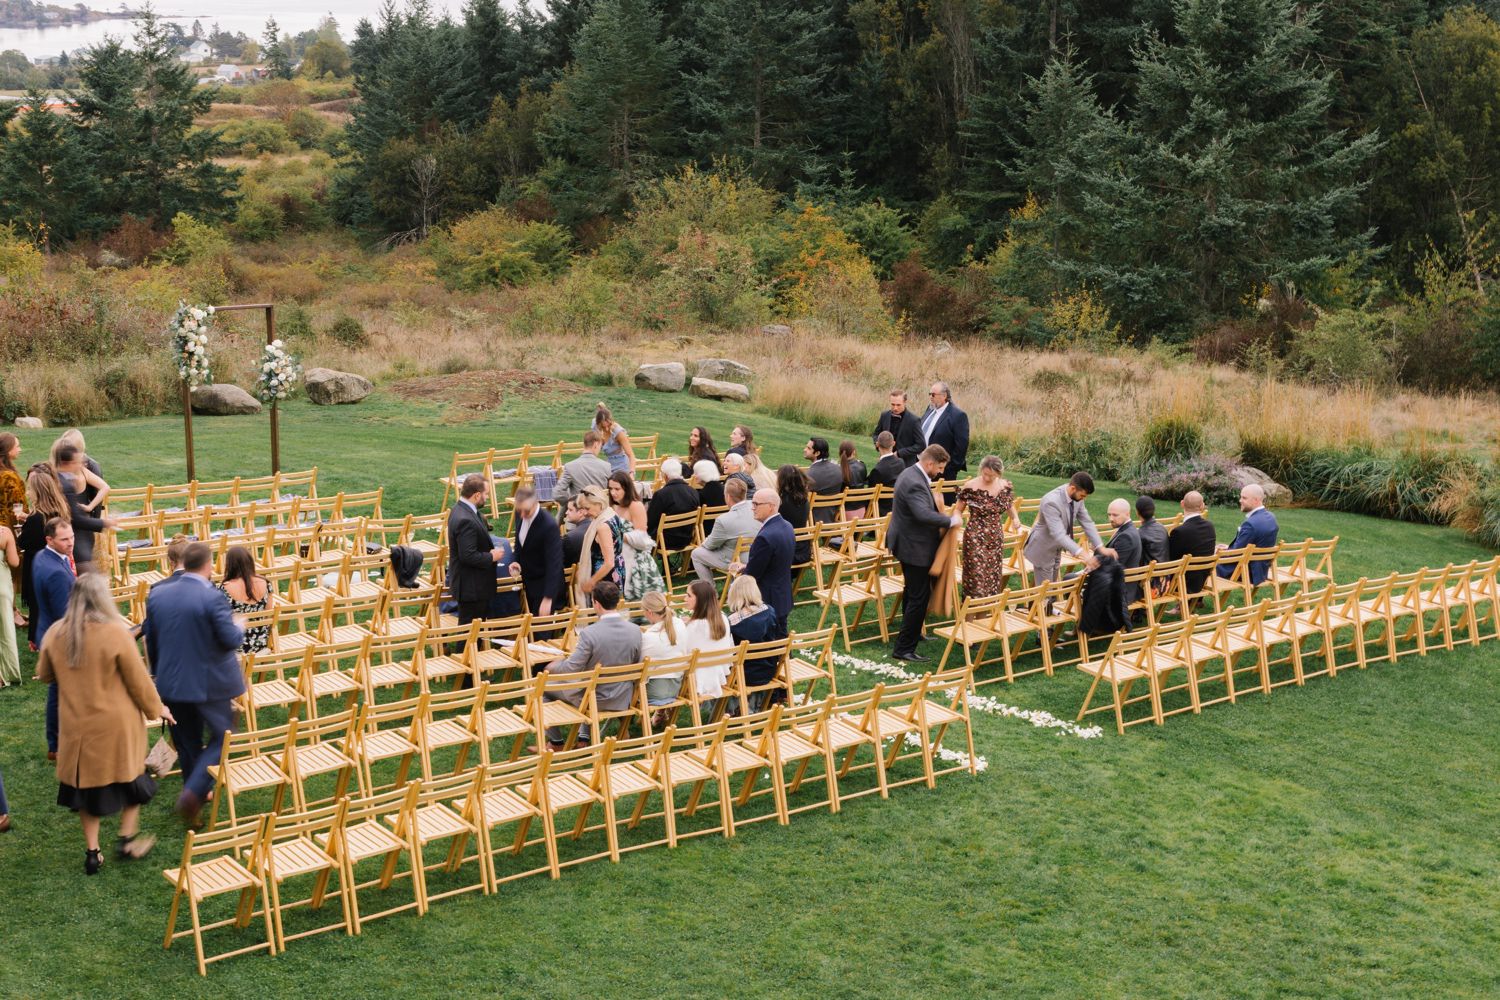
(46,499)
(103,690)
(617,450)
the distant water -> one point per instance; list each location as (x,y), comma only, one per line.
(248,16)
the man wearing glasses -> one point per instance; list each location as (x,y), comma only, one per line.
(946,425)
(770,558)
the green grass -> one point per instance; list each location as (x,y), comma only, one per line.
(1333,841)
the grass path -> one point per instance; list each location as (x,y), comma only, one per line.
(1333,841)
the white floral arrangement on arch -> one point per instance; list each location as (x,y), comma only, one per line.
(189,329)
(279,372)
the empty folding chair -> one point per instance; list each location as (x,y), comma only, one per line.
(218,863)
(301,845)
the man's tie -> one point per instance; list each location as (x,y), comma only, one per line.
(1070,518)
(72,566)
(927,422)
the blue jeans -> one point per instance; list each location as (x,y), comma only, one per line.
(194,753)
(52,717)
(4,806)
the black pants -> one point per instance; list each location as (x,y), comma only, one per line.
(913,607)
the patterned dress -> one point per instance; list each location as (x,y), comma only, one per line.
(642,574)
(258,637)
(616,528)
(12,492)
(984,540)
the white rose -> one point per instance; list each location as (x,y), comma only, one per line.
(199,314)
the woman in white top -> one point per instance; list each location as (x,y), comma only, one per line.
(706,629)
(661,640)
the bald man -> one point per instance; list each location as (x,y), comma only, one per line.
(770,558)
(1195,536)
(1125,544)
(1259,529)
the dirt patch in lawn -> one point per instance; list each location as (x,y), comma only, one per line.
(475,393)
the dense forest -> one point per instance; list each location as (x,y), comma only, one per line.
(1231,173)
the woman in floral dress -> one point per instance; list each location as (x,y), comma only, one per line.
(989,501)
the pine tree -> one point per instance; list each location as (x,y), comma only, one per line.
(45,183)
(487,63)
(277,53)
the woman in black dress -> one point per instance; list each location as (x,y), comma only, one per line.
(791,486)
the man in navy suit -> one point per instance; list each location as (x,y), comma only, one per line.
(1259,529)
(770,558)
(52,575)
(193,640)
(945,424)
(538,553)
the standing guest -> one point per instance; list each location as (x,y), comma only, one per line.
(752,620)
(708,630)
(761,474)
(903,427)
(10,656)
(1052,532)
(1259,529)
(586,470)
(579,524)
(47,502)
(4,808)
(913,537)
(1195,536)
(603,554)
(175,548)
(12,504)
(769,561)
(710,486)
(193,640)
(472,554)
(741,442)
(989,501)
(74,477)
(104,690)
(791,487)
(701,447)
(1125,546)
(854,473)
(660,640)
(735,523)
(247,591)
(734,468)
(616,448)
(675,496)
(888,468)
(53,575)
(642,574)
(945,424)
(538,551)
(95,490)
(612,641)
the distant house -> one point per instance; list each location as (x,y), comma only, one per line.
(228,72)
(199,51)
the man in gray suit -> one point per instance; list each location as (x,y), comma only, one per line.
(1052,534)
(915,530)
(587,469)
(612,641)
(717,550)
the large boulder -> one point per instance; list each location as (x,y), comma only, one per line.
(668,377)
(327,387)
(776,330)
(1276,494)
(723,370)
(30,423)
(710,388)
(223,400)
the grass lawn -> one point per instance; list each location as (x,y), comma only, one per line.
(1338,840)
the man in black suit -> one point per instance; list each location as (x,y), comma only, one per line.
(1125,546)
(676,496)
(824,478)
(538,552)
(946,425)
(887,470)
(1195,536)
(579,523)
(904,428)
(915,530)
(471,551)
(770,558)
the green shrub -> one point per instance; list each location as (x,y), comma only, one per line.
(306,128)
(348,331)
(1487,529)
(1346,346)
(20,261)
(293,321)
(1170,439)
(253,136)
(710,278)
(1279,456)
(11,407)
(137,386)
(1097,452)
(1403,487)
(944,234)
(881,232)
(259,218)
(579,302)
(493,248)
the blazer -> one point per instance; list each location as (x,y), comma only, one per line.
(770,563)
(952,432)
(541,559)
(1195,536)
(885,473)
(52,583)
(759,627)
(907,430)
(1259,528)
(711,494)
(473,569)
(85,525)
(1101,606)
(917,525)
(735,523)
(676,496)
(1127,545)
(1049,533)
(611,641)
(826,477)
(572,542)
(585,470)
(100,701)
(1153,542)
(193,642)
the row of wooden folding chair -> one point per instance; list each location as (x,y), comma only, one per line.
(124,501)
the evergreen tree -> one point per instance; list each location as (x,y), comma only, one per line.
(487,63)
(277,52)
(45,183)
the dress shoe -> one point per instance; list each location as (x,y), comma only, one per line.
(4,824)
(189,805)
(910,657)
(52,755)
(92,861)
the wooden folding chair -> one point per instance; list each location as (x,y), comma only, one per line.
(803,734)
(579,779)
(515,793)
(453,719)
(738,689)
(447,809)
(1006,619)
(212,866)
(853,724)
(388,732)
(364,837)
(642,768)
(249,762)
(739,747)
(1304,564)
(671,523)
(557,712)
(464,463)
(319,746)
(1220,589)
(445,653)
(858,582)
(810,661)
(271,682)
(302,845)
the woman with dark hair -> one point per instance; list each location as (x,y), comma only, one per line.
(741,441)
(791,486)
(854,473)
(642,575)
(246,592)
(47,501)
(12,503)
(701,447)
(616,450)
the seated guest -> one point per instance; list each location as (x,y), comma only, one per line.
(675,496)
(752,620)
(854,475)
(734,468)
(741,442)
(1153,538)
(791,486)
(737,522)
(1193,537)
(763,475)
(1124,545)
(612,641)
(587,469)
(660,640)
(708,630)
(887,468)
(1259,529)
(824,478)
(246,591)
(710,486)
(701,448)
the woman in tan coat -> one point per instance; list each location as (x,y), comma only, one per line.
(103,690)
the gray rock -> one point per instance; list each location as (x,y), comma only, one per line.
(776,330)
(668,377)
(713,389)
(30,423)
(1276,494)
(223,399)
(108,259)
(723,370)
(327,387)
(941,348)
